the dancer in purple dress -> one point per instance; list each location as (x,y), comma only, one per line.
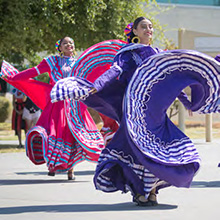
(148,152)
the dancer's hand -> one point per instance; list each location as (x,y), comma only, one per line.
(92,91)
(69,88)
(80,94)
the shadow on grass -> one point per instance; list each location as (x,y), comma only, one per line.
(10,148)
(83,208)
(7,146)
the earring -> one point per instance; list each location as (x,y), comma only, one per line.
(61,54)
(135,39)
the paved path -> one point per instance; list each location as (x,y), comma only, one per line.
(12,142)
(27,193)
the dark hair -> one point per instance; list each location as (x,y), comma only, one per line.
(136,22)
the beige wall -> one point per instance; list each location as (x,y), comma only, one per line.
(206,43)
(203,19)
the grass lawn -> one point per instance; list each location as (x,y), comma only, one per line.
(199,132)
(193,131)
(6,133)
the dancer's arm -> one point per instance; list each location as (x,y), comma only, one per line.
(120,66)
(72,88)
(184,99)
(43,67)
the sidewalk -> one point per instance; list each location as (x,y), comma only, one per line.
(12,142)
(27,193)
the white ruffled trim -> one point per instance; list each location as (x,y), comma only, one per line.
(117,67)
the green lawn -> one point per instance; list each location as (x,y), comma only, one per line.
(199,132)
(6,133)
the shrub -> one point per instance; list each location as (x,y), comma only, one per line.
(4,108)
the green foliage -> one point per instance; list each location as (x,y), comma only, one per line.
(30,26)
(4,108)
(33,61)
(173,109)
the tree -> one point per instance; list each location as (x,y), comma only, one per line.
(30,26)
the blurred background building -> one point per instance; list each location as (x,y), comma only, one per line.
(197,21)
(193,24)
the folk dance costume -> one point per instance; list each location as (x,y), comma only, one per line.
(148,151)
(17,122)
(65,133)
(109,128)
(93,63)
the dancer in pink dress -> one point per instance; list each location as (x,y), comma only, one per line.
(65,134)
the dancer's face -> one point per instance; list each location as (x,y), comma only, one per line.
(144,31)
(67,46)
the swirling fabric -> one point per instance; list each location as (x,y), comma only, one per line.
(148,150)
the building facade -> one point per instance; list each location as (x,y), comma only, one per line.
(192,2)
(201,17)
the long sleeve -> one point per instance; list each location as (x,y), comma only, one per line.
(121,65)
(107,77)
(43,67)
(184,99)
